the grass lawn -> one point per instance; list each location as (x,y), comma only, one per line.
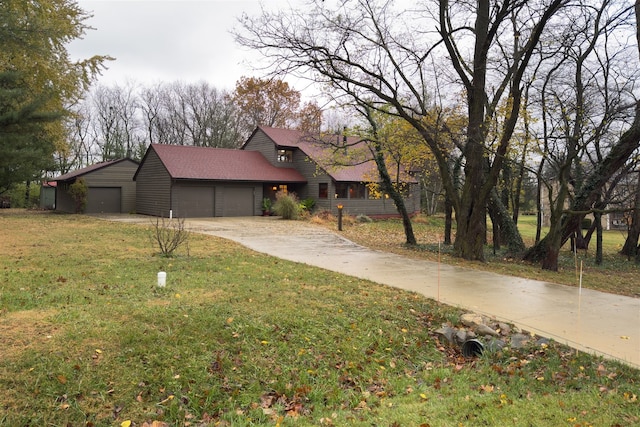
(240,338)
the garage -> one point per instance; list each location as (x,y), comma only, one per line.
(193,201)
(103,200)
(238,201)
(188,181)
(110,188)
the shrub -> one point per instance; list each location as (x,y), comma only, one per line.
(286,205)
(79,191)
(266,205)
(16,195)
(363,218)
(169,235)
(307,204)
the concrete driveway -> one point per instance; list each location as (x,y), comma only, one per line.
(588,320)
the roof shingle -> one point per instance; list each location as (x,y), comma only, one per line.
(358,166)
(205,163)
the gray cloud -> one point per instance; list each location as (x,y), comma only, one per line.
(167,40)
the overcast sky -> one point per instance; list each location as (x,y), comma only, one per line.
(168,40)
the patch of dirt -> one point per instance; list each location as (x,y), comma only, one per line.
(23,330)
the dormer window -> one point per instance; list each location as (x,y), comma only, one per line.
(285,156)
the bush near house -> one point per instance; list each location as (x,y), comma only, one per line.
(287,205)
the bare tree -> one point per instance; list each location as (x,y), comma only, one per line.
(586,101)
(367,50)
(116,116)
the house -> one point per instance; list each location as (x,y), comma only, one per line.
(110,184)
(187,181)
(329,183)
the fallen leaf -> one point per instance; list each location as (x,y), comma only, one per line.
(126,423)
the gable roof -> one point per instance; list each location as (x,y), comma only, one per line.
(80,172)
(220,164)
(321,150)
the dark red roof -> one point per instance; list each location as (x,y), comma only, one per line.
(79,172)
(221,164)
(358,165)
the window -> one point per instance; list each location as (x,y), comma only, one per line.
(351,190)
(356,191)
(323,191)
(342,190)
(285,156)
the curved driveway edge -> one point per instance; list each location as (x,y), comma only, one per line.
(588,320)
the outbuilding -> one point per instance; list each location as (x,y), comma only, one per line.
(111,188)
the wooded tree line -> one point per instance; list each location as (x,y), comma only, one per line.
(547,86)
(113,122)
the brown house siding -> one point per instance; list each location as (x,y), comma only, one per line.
(64,202)
(153,186)
(369,207)
(262,143)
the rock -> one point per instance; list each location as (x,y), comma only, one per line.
(471,319)
(504,328)
(519,340)
(447,332)
(461,336)
(542,341)
(495,345)
(484,330)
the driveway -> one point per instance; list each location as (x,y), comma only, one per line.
(587,320)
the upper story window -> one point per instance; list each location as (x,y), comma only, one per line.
(285,156)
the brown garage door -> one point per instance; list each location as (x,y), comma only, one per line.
(103,200)
(192,201)
(237,201)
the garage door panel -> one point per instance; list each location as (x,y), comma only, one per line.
(190,201)
(103,200)
(238,201)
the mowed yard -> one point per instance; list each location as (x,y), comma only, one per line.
(240,338)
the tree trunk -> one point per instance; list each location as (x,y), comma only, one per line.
(448,220)
(27,195)
(598,220)
(471,232)
(509,233)
(630,248)
(387,182)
